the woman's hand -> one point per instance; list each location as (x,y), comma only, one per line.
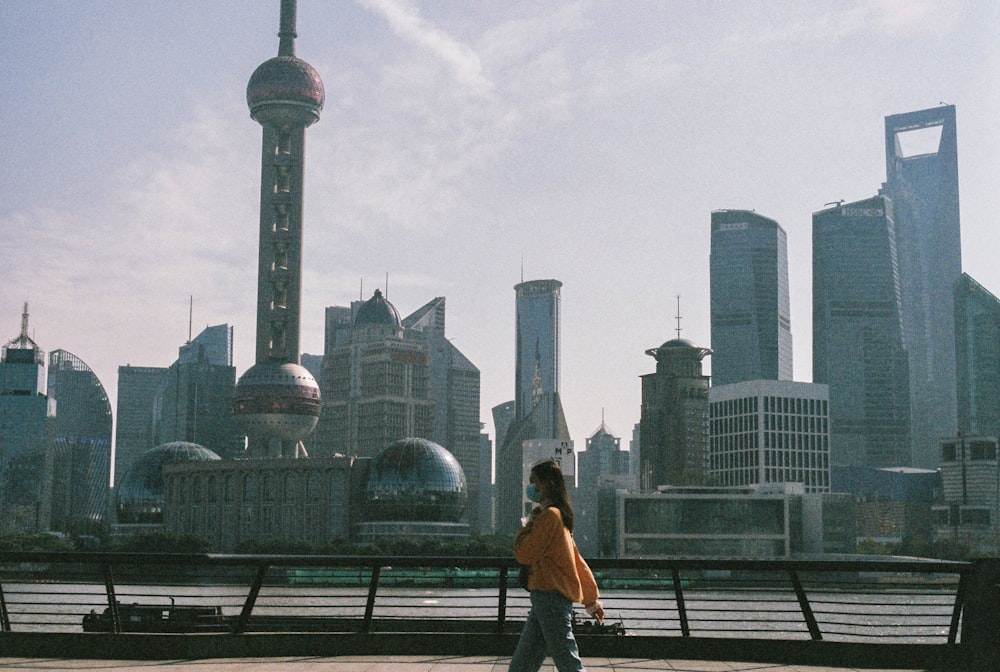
(596,611)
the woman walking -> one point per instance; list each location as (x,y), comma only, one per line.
(558,577)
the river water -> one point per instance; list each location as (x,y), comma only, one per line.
(915,617)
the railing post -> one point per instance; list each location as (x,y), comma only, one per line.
(109,588)
(807,612)
(981,620)
(4,616)
(679,598)
(241,623)
(502,601)
(370,605)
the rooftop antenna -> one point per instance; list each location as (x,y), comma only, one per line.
(678,318)
(387,285)
(522,267)
(286,31)
(361,295)
(190,315)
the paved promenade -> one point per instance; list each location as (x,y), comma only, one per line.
(395,664)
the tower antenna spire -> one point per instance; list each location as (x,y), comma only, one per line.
(678,318)
(190,315)
(286,33)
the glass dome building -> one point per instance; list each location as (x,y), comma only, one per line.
(415,480)
(140,494)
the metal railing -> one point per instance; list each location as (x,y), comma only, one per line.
(887,608)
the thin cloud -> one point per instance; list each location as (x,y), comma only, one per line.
(407,22)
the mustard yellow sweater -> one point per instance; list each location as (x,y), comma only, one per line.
(548,547)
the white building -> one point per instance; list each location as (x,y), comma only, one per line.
(770,431)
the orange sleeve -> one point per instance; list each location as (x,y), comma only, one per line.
(535,539)
(587,582)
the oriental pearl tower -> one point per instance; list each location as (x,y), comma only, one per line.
(277,401)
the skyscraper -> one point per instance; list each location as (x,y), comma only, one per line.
(193,402)
(858,344)
(922,182)
(602,467)
(375,384)
(751,326)
(537,346)
(81,468)
(977,353)
(137,390)
(26,436)
(277,400)
(673,443)
(385,379)
(538,414)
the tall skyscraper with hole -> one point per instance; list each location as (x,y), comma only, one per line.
(921,155)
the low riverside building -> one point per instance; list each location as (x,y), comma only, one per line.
(770,521)
(413,489)
(970,486)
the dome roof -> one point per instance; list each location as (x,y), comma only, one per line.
(377,311)
(679,343)
(415,479)
(140,494)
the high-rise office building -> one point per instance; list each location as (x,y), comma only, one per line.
(81,469)
(137,390)
(673,448)
(770,431)
(385,379)
(858,339)
(538,413)
(454,388)
(977,355)
(27,417)
(376,384)
(277,400)
(922,182)
(194,400)
(751,326)
(603,466)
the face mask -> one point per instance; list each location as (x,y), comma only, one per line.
(532,492)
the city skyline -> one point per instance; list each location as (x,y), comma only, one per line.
(460,146)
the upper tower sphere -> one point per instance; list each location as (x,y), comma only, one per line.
(285,90)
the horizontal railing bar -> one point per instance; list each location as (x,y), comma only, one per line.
(277,561)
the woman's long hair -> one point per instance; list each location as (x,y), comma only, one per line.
(550,475)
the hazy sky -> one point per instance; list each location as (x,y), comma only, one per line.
(586,141)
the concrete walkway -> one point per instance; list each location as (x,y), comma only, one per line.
(394,664)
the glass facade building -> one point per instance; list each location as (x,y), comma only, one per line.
(137,390)
(977,356)
(537,346)
(769,431)
(922,182)
(858,341)
(27,416)
(82,458)
(538,413)
(750,315)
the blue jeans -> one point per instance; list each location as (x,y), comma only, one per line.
(548,631)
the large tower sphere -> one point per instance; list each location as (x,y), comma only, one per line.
(275,400)
(285,91)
